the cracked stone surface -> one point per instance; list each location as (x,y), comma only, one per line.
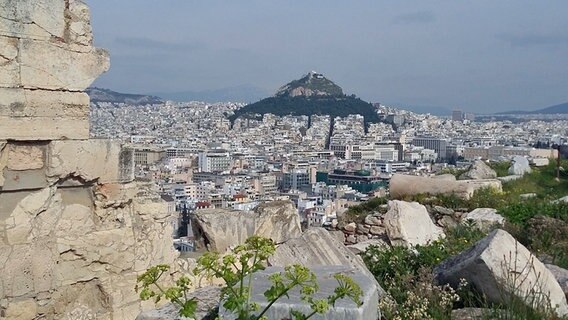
(75,230)
(46,60)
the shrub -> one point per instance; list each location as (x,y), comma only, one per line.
(357,213)
(236,269)
(406,274)
(501,168)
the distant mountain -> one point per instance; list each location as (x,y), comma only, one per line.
(559,108)
(313,94)
(106,95)
(243,93)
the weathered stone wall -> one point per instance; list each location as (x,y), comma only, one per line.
(75,230)
(47,60)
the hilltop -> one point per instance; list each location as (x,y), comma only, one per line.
(313,94)
(106,95)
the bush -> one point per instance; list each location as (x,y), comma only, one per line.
(236,269)
(357,213)
(406,275)
(501,168)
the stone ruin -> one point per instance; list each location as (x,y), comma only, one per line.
(75,228)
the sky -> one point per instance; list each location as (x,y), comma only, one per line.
(479,56)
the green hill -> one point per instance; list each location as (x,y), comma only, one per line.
(311,95)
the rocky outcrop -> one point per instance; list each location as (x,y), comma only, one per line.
(500,267)
(519,166)
(75,230)
(484,218)
(405,185)
(479,171)
(343,309)
(409,224)
(221,229)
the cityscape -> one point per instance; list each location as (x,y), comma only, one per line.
(199,160)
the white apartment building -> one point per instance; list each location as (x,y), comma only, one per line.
(214,161)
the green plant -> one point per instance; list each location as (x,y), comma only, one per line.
(149,282)
(406,274)
(357,213)
(521,292)
(236,269)
(501,168)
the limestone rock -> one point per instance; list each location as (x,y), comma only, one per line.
(47,59)
(344,308)
(362,229)
(81,159)
(338,235)
(519,166)
(350,228)
(277,220)
(484,218)
(539,162)
(25,157)
(509,178)
(499,266)
(74,231)
(378,230)
(361,247)
(373,221)
(21,310)
(36,165)
(479,171)
(563,199)
(402,185)
(57,246)
(351,239)
(443,211)
(74,71)
(207,301)
(526,196)
(476,314)
(316,247)
(447,222)
(561,275)
(408,224)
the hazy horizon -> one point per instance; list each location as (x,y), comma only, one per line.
(481,56)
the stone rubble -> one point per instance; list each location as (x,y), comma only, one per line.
(519,166)
(406,185)
(484,218)
(409,224)
(479,171)
(498,266)
(221,229)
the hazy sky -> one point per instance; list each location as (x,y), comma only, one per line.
(482,55)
